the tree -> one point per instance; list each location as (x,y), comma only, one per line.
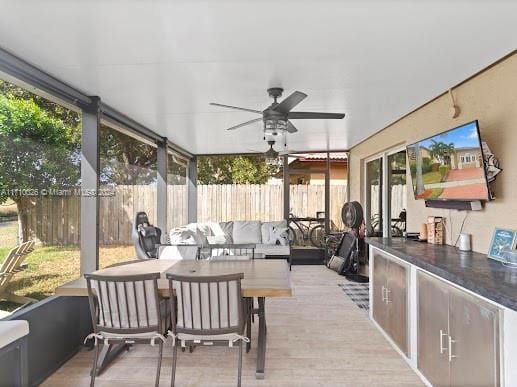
(38,150)
(441,151)
(419,176)
(69,117)
(125,160)
(235,170)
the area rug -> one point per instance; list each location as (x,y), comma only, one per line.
(358,293)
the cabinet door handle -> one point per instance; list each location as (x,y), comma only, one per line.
(384,296)
(442,348)
(388,291)
(451,341)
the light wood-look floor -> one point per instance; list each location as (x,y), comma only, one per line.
(316,338)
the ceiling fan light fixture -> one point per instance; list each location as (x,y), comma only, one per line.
(275,125)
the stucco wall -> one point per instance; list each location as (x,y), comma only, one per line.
(491,98)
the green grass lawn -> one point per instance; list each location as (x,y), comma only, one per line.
(432,177)
(8,236)
(50,267)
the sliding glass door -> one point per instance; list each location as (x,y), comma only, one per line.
(386,194)
(397,195)
(374,208)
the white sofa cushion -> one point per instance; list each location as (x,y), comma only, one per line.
(10,331)
(272,231)
(247,231)
(182,235)
(222,229)
(200,230)
(218,239)
(272,249)
(205,228)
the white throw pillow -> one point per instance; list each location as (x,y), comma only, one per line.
(247,232)
(222,228)
(182,236)
(279,236)
(199,235)
(267,229)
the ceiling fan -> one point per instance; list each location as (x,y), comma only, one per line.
(277,116)
(271,153)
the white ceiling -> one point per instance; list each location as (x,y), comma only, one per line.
(162,62)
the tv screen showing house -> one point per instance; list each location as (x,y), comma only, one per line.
(449,166)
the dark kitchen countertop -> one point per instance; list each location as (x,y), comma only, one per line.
(470,270)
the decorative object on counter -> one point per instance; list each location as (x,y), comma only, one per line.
(503,241)
(511,258)
(423,232)
(464,242)
(435,230)
(414,236)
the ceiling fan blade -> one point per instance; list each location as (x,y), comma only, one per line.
(290,127)
(290,102)
(314,115)
(235,108)
(245,123)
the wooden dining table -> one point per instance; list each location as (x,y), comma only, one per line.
(263,278)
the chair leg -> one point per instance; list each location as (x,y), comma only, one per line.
(240,365)
(94,368)
(174,358)
(252,307)
(157,382)
(248,325)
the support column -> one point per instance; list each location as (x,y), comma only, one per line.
(192,191)
(327,194)
(90,187)
(286,188)
(161,186)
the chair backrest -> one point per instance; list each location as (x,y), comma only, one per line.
(206,305)
(26,247)
(145,237)
(23,250)
(126,304)
(229,250)
(9,260)
(6,270)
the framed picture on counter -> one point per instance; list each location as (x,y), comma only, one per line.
(503,241)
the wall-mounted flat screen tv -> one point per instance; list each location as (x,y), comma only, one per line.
(449,166)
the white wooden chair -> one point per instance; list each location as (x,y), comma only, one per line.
(126,310)
(14,263)
(208,310)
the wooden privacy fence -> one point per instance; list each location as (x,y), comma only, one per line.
(56,220)
(225,202)
(398,199)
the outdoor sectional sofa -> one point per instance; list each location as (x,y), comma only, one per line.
(270,238)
